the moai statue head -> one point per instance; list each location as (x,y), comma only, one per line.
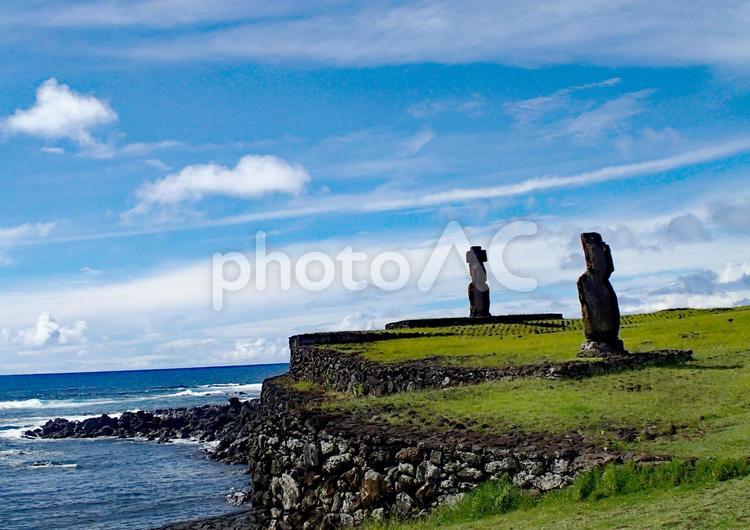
(476,257)
(479,291)
(597,253)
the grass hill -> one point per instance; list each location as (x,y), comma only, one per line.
(698,413)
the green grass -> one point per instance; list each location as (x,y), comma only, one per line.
(700,409)
(706,493)
(707,401)
(477,351)
(497,345)
(304,386)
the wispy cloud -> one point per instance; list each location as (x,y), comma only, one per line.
(472,106)
(22,234)
(144,13)
(611,116)
(638,169)
(368,33)
(735,217)
(382,200)
(414,144)
(533,109)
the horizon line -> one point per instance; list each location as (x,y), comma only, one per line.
(130,370)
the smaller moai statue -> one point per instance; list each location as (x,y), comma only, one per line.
(479,291)
(601,314)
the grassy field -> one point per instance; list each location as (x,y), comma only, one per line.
(700,409)
(706,403)
(550,341)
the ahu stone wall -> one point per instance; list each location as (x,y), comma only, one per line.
(317,470)
(313,359)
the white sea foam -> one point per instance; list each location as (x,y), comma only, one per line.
(21,425)
(16,433)
(21,404)
(200,391)
(47,464)
(231,388)
(192,393)
(54,403)
(218,390)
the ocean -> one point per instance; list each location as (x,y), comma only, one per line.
(113,483)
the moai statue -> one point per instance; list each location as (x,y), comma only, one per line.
(601,314)
(479,291)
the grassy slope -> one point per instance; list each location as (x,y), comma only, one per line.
(707,494)
(708,401)
(726,505)
(723,505)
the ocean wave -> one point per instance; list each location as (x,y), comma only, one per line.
(229,388)
(53,403)
(193,393)
(199,391)
(217,390)
(45,464)
(13,452)
(13,431)
(21,404)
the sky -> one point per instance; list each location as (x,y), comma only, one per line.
(139,139)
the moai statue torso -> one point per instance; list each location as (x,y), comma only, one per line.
(601,314)
(479,291)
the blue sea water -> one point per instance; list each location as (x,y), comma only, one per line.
(112,483)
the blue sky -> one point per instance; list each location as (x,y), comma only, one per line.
(139,138)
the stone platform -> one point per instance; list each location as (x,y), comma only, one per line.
(472,321)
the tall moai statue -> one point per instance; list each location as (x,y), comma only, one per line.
(479,291)
(601,314)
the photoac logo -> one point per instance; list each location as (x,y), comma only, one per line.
(388,270)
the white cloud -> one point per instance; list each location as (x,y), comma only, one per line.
(164,318)
(471,106)
(624,171)
(253,176)
(53,150)
(260,350)
(383,199)
(699,282)
(622,32)
(48,332)
(148,13)
(158,164)
(360,321)
(60,113)
(734,217)
(610,116)
(15,235)
(414,144)
(734,271)
(533,109)
(686,228)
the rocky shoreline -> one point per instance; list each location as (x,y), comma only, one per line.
(224,426)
